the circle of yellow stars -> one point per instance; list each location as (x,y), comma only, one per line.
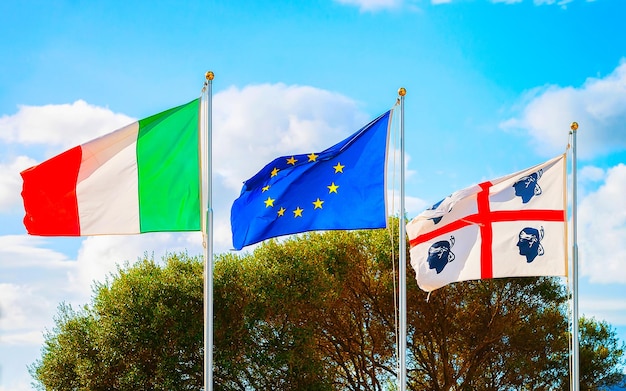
(317,204)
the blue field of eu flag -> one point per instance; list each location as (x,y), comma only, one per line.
(342,187)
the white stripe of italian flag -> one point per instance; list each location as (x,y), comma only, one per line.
(144,177)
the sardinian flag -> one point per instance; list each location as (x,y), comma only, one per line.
(513,226)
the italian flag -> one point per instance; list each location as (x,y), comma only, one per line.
(144,177)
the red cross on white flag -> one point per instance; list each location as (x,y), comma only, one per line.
(513,226)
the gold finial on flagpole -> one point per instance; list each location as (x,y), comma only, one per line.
(401,92)
(209,75)
(574,126)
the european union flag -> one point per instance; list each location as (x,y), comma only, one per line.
(342,187)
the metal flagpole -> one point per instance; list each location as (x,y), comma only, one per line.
(402,257)
(574,378)
(208,238)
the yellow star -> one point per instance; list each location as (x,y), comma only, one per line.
(281,211)
(338,168)
(265,188)
(269,202)
(318,204)
(332,188)
(292,161)
(312,157)
(298,212)
(275,172)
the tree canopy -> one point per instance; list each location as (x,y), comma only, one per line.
(317,312)
(142,331)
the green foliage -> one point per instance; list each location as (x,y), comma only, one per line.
(600,355)
(141,333)
(317,312)
(69,351)
(489,335)
(305,314)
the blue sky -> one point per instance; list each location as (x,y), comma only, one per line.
(492,86)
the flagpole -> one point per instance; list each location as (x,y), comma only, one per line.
(402,257)
(208,245)
(575,386)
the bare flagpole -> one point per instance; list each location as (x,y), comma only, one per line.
(208,239)
(575,363)
(402,257)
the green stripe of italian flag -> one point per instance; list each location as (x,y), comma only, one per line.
(144,177)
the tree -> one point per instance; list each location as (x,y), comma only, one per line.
(489,335)
(320,305)
(484,335)
(143,331)
(264,336)
(600,356)
(317,312)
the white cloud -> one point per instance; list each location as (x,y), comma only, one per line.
(377,5)
(602,229)
(590,174)
(11,181)
(610,310)
(373,5)
(599,106)
(32,337)
(506,1)
(561,3)
(21,307)
(99,256)
(259,123)
(64,125)
(20,385)
(23,251)
(412,205)
(33,283)
(47,278)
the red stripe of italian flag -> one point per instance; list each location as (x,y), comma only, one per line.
(144,177)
